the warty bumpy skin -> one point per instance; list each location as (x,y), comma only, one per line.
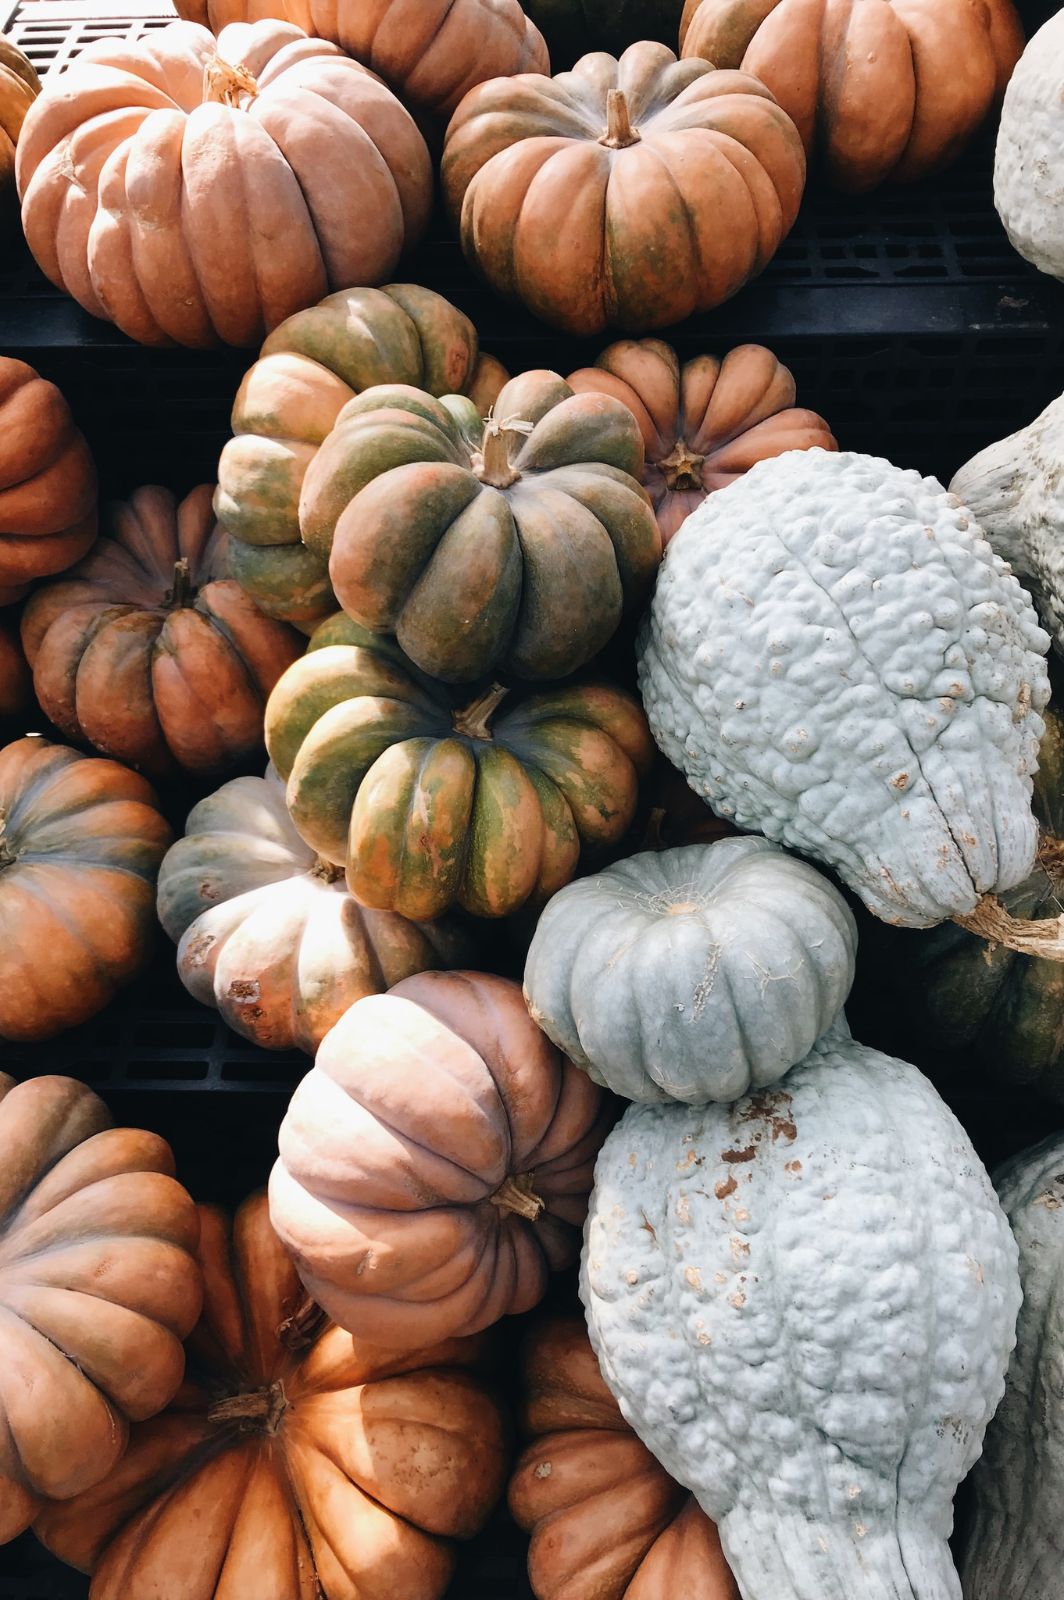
(1015,488)
(836,658)
(1028,172)
(1015,1550)
(805,1304)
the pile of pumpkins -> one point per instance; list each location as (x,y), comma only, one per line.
(606,715)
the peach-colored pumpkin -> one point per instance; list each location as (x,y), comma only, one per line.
(47,482)
(98,1287)
(607,1522)
(705,422)
(877,88)
(296,1463)
(436,1163)
(198,191)
(150,651)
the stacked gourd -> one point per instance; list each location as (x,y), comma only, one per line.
(800,1288)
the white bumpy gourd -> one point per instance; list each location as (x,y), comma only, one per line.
(693,974)
(1016,1546)
(805,1304)
(1015,489)
(1028,191)
(836,658)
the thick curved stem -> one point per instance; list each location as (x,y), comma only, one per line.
(475,721)
(259,1410)
(990,921)
(519,1196)
(225,84)
(619,131)
(307,1323)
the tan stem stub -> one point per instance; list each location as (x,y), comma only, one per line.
(519,1196)
(227,85)
(327,871)
(306,1324)
(7,855)
(991,921)
(682,469)
(493,466)
(181,589)
(619,131)
(259,1410)
(475,721)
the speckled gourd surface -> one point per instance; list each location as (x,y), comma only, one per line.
(1028,191)
(1016,490)
(836,658)
(693,974)
(805,1304)
(1016,1547)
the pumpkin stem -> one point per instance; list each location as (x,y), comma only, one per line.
(682,469)
(1051,855)
(326,871)
(494,466)
(475,721)
(519,1196)
(181,591)
(225,84)
(654,836)
(990,921)
(258,1410)
(619,131)
(7,855)
(307,1323)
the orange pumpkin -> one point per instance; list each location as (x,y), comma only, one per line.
(878,88)
(80,845)
(435,1164)
(597,197)
(607,1521)
(19,87)
(195,192)
(16,685)
(307,371)
(704,423)
(297,1463)
(98,1287)
(148,651)
(430,51)
(47,482)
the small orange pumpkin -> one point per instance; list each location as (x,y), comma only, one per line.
(435,1164)
(607,1521)
(704,423)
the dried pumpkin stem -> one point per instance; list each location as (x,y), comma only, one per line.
(181,590)
(307,1323)
(990,921)
(225,84)
(257,1409)
(475,721)
(519,1196)
(682,469)
(496,468)
(619,131)
(1051,854)
(327,871)
(7,855)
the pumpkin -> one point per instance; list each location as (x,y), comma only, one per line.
(1013,1542)
(596,197)
(878,90)
(197,192)
(835,657)
(693,974)
(148,651)
(98,1287)
(297,1463)
(805,1304)
(607,1522)
(1028,202)
(430,52)
(19,87)
(573,27)
(47,482)
(267,932)
(432,804)
(1013,489)
(307,370)
(987,1006)
(81,840)
(16,685)
(516,545)
(704,423)
(435,1164)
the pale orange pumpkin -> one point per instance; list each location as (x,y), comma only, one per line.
(297,1463)
(436,1163)
(198,192)
(98,1287)
(19,87)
